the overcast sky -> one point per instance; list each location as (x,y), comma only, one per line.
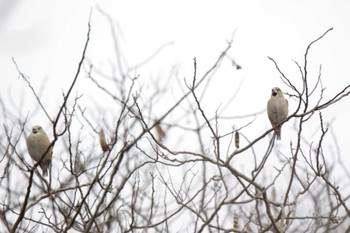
(46,39)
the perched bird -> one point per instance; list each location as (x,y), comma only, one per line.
(277,110)
(38,143)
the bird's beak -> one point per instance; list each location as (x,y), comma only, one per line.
(35,130)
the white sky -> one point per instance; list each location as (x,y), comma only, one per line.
(46,39)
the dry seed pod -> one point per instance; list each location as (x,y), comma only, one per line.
(235,221)
(103,141)
(237,139)
(160,131)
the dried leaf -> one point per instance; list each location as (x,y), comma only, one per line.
(160,131)
(103,141)
(237,139)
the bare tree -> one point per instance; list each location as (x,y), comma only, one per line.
(137,170)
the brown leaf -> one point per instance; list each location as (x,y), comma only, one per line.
(237,139)
(160,131)
(103,141)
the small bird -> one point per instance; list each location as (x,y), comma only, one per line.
(38,143)
(277,110)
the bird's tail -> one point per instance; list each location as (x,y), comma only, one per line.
(278,132)
(45,166)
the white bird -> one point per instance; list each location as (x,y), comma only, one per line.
(38,143)
(277,110)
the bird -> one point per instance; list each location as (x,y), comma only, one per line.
(38,143)
(277,110)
